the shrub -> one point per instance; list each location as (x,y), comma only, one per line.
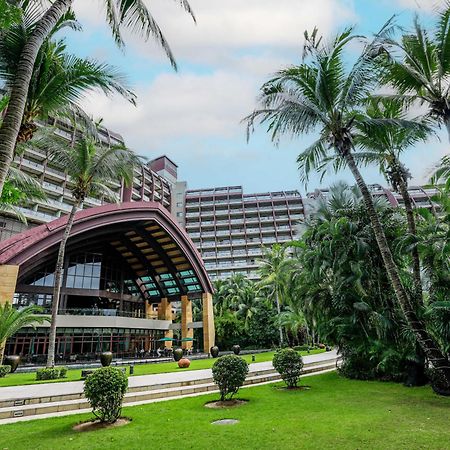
(229,374)
(51,373)
(105,390)
(4,370)
(288,363)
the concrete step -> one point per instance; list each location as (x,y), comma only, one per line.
(16,402)
(74,402)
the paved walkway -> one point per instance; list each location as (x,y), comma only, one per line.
(75,387)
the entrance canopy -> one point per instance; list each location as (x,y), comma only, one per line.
(162,258)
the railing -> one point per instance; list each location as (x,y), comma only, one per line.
(101,312)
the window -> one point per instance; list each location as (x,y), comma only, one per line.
(179,214)
(179,204)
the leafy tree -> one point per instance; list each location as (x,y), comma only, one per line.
(326,94)
(59,79)
(343,286)
(274,272)
(383,146)
(9,14)
(129,14)
(418,66)
(91,166)
(12,320)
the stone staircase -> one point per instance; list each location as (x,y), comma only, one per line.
(26,408)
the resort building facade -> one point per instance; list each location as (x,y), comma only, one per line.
(231,228)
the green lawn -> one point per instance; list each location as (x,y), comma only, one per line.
(334,413)
(16,379)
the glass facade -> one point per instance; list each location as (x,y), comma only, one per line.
(83,344)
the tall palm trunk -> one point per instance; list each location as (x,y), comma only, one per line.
(418,293)
(12,119)
(58,283)
(2,351)
(280,327)
(434,355)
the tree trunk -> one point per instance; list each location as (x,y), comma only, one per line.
(12,120)
(434,355)
(277,300)
(57,287)
(2,351)
(418,293)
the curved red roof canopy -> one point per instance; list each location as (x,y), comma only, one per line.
(159,253)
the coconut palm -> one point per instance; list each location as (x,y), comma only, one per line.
(383,146)
(441,173)
(322,94)
(19,188)
(90,166)
(120,14)
(12,320)
(59,80)
(274,271)
(418,66)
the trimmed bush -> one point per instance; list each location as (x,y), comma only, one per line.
(288,363)
(4,370)
(51,373)
(229,374)
(105,390)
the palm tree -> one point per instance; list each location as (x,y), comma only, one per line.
(293,320)
(383,146)
(90,166)
(322,94)
(130,14)
(418,66)
(12,320)
(274,272)
(59,79)
(19,188)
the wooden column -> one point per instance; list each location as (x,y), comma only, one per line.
(209,334)
(186,318)
(8,281)
(165,313)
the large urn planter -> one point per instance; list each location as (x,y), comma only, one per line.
(13,361)
(184,363)
(214,351)
(178,354)
(236,349)
(106,358)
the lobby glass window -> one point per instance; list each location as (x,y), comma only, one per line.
(84,271)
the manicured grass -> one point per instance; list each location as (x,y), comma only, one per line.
(17,379)
(334,413)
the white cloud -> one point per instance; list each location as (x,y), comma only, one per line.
(231,25)
(421,5)
(178,106)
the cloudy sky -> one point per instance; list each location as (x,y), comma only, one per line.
(194,115)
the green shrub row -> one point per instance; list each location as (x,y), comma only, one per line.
(51,373)
(4,370)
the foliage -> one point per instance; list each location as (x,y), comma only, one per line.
(288,363)
(60,80)
(9,15)
(51,373)
(229,374)
(12,320)
(4,370)
(105,390)
(343,288)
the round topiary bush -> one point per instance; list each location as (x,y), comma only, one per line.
(229,374)
(288,363)
(105,390)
